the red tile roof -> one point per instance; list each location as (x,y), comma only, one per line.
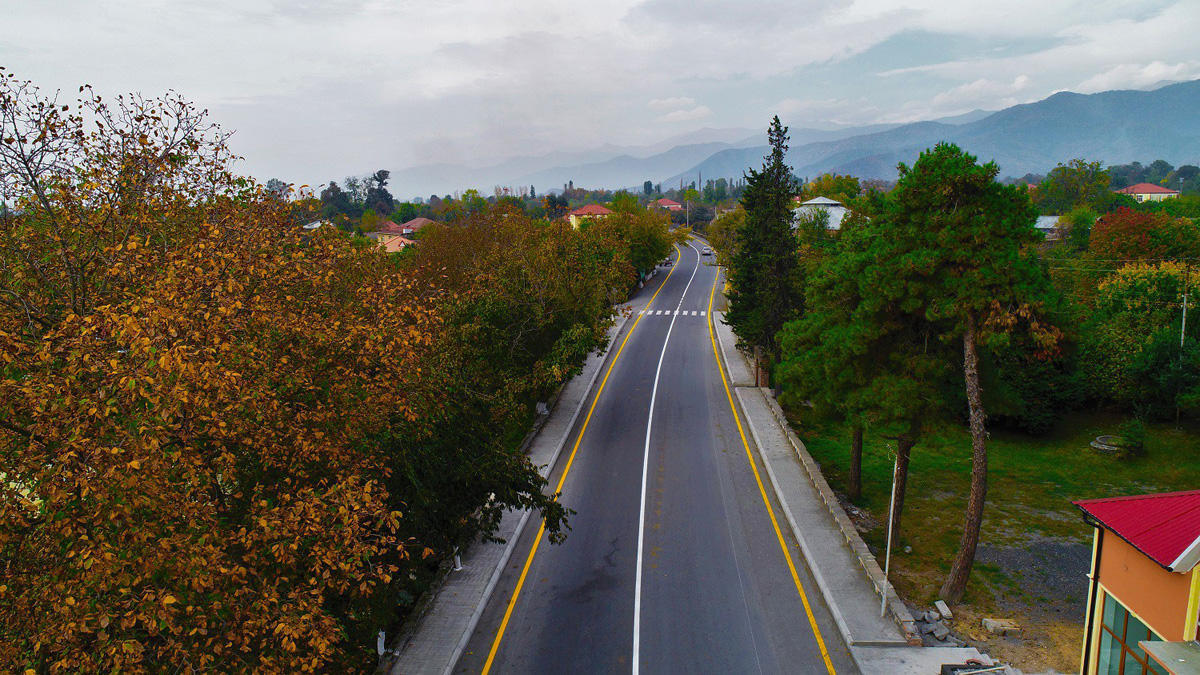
(1165,527)
(417,223)
(667,202)
(1147,189)
(591,210)
(388,227)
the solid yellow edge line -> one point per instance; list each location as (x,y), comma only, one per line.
(812,621)
(512,602)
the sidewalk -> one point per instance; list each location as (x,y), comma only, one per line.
(851,582)
(438,636)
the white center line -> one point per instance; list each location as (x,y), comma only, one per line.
(637,584)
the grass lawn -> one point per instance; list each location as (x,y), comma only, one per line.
(1034,548)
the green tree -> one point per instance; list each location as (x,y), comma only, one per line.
(764,268)
(860,353)
(648,188)
(722,233)
(1076,184)
(834,186)
(959,246)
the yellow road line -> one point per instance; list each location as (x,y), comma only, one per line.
(812,621)
(512,602)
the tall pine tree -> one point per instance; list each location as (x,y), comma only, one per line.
(961,246)
(764,270)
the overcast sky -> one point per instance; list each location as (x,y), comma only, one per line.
(318,89)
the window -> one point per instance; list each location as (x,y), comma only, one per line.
(1120,633)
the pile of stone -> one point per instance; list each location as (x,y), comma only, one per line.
(934,626)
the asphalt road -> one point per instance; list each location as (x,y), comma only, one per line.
(715,594)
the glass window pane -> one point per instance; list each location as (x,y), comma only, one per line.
(1113,613)
(1108,661)
(1157,669)
(1135,633)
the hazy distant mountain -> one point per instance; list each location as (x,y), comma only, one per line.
(1113,126)
(612,164)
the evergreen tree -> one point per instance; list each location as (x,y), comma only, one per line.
(858,354)
(960,248)
(765,289)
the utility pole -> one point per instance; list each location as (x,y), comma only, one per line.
(1183,323)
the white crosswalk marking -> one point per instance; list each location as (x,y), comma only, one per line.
(701,312)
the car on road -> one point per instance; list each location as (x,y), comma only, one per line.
(707,250)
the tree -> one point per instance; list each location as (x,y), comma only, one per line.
(377,197)
(556,206)
(278,189)
(833,186)
(1078,224)
(232,444)
(624,202)
(532,192)
(860,353)
(765,290)
(960,246)
(643,230)
(647,188)
(1076,184)
(1127,234)
(722,232)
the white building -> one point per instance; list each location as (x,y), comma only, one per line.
(837,212)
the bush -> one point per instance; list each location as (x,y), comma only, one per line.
(1126,234)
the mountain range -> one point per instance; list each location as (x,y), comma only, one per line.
(1114,127)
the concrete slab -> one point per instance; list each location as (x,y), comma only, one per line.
(912,660)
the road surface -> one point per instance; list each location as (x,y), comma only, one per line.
(673,563)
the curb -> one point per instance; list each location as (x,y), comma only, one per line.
(896,607)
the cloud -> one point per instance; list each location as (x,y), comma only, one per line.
(980,93)
(1135,75)
(687,115)
(318,89)
(672,103)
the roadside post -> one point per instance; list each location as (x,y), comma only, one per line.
(887,560)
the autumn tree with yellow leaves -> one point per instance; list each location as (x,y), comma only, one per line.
(230,444)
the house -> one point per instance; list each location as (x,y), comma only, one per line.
(837,212)
(1048,226)
(413,226)
(315,225)
(389,227)
(589,212)
(1148,192)
(668,204)
(390,241)
(1144,595)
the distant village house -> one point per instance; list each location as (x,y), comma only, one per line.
(668,204)
(589,212)
(1148,192)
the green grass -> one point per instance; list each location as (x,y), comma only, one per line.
(1031,480)
(1031,483)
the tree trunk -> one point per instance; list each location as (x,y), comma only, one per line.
(855,486)
(960,571)
(904,446)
